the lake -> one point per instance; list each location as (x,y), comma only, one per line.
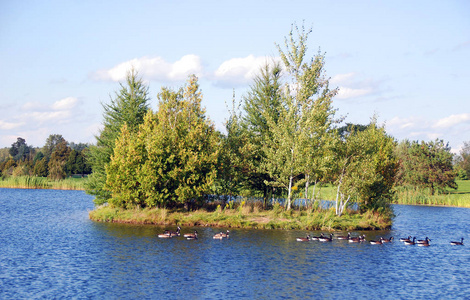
(50,249)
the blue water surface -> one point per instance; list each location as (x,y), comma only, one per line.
(50,249)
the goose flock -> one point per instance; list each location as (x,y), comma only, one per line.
(362,239)
(321,238)
(191,236)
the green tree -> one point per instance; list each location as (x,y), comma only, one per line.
(58,161)
(52,142)
(463,160)
(19,150)
(426,165)
(129,106)
(171,160)
(262,103)
(366,169)
(300,130)
(40,168)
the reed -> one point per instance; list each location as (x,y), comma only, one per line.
(33,182)
(458,198)
(249,215)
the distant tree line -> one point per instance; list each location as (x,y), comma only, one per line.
(57,159)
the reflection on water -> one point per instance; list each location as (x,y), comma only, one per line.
(49,248)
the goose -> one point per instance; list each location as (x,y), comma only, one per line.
(345,237)
(408,239)
(221,235)
(165,235)
(175,233)
(191,236)
(411,242)
(303,239)
(387,240)
(424,243)
(357,239)
(326,239)
(316,238)
(457,243)
(379,242)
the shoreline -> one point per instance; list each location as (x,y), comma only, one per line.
(244,218)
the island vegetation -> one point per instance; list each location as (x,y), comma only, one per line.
(282,150)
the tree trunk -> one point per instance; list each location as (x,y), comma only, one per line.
(289,193)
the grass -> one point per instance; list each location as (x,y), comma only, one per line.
(459,197)
(33,182)
(249,215)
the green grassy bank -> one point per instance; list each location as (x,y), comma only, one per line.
(458,198)
(32,182)
(246,216)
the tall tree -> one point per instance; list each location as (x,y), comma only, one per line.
(129,106)
(19,150)
(305,116)
(52,142)
(171,159)
(57,163)
(260,104)
(366,169)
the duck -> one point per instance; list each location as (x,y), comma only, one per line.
(387,240)
(379,242)
(457,243)
(303,239)
(411,242)
(345,237)
(408,239)
(424,243)
(221,235)
(191,236)
(326,239)
(316,238)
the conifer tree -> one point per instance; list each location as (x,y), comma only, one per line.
(129,106)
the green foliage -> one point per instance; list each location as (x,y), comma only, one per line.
(367,168)
(128,107)
(463,161)
(426,165)
(20,151)
(58,160)
(171,159)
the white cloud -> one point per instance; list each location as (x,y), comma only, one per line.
(352,86)
(65,104)
(348,93)
(452,120)
(240,71)
(9,125)
(154,68)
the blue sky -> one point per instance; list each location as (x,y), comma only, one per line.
(406,61)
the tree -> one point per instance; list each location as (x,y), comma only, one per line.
(171,160)
(232,166)
(426,165)
(463,160)
(129,106)
(260,104)
(40,168)
(366,169)
(58,161)
(305,115)
(19,150)
(52,142)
